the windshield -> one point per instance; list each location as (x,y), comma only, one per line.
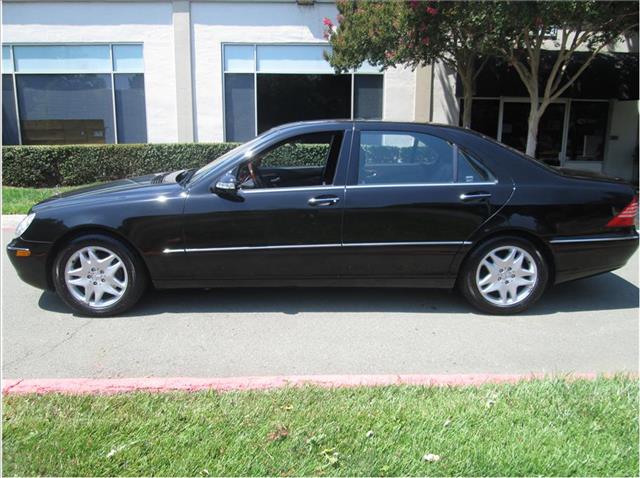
(234,153)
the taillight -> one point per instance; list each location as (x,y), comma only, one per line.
(626,217)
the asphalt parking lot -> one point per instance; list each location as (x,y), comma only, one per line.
(585,326)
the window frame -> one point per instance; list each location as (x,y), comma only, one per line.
(255,74)
(354,162)
(111,73)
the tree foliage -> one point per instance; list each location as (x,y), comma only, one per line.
(413,33)
(527,28)
(462,35)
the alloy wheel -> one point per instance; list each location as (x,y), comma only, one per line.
(506,276)
(96,277)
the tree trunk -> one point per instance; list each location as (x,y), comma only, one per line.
(468,104)
(532,133)
(466,76)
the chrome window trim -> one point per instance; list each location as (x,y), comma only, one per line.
(410,243)
(406,185)
(313,246)
(295,188)
(594,239)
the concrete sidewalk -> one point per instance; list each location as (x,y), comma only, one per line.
(10,221)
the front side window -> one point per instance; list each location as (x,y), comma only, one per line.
(305,160)
(404,158)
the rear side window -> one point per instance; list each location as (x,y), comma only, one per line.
(414,158)
(404,158)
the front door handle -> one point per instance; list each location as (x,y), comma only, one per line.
(324,201)
(472,196)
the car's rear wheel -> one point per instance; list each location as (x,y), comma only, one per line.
(99,276)
(505,275)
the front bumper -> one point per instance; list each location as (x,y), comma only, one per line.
(584,257)
(32,269)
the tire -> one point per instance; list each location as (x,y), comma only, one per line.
(497,286)
(92,283)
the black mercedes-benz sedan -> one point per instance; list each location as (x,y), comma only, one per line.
(335,203)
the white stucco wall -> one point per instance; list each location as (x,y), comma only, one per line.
(445,105)
(148,23)
(217,23)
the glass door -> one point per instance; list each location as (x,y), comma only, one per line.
(514,127)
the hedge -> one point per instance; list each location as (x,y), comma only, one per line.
(72,165)
(48,166)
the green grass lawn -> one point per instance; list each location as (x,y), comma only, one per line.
(19,200)
(538,428)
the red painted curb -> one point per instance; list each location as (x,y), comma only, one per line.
(157,384)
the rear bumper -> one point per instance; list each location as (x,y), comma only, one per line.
(32,269)
(580,257)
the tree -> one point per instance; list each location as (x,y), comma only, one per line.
(528,28)
(391,33)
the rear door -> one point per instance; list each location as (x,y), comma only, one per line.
(412,201)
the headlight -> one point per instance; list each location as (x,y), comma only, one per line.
(24,224)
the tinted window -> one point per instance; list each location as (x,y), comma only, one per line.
(285,98)
(9,120)
(404,158)
(239,106)
(367,97)
(130,108)
(587,130)
(65,109)
(470,171)
(305,160)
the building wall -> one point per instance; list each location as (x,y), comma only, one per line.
(623,139)
(446,109)
(216,23)
(148,23)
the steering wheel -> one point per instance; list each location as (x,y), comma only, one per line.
(255,175)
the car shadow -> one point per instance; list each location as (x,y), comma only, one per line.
(604,292)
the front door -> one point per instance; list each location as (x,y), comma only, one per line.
(283,223)
(412,202)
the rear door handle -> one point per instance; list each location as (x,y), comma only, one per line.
(472,196)
(324,201)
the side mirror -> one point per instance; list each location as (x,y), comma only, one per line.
(226,185)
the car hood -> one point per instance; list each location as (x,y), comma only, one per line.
(119,188)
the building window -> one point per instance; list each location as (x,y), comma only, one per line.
(587,130)
(9,119)
(570,129)
(75,94)
(268,85)
(485,114)
(515,126)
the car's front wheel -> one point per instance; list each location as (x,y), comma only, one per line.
(505,275)
(98,276)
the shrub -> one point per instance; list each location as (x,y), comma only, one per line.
(49,166)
